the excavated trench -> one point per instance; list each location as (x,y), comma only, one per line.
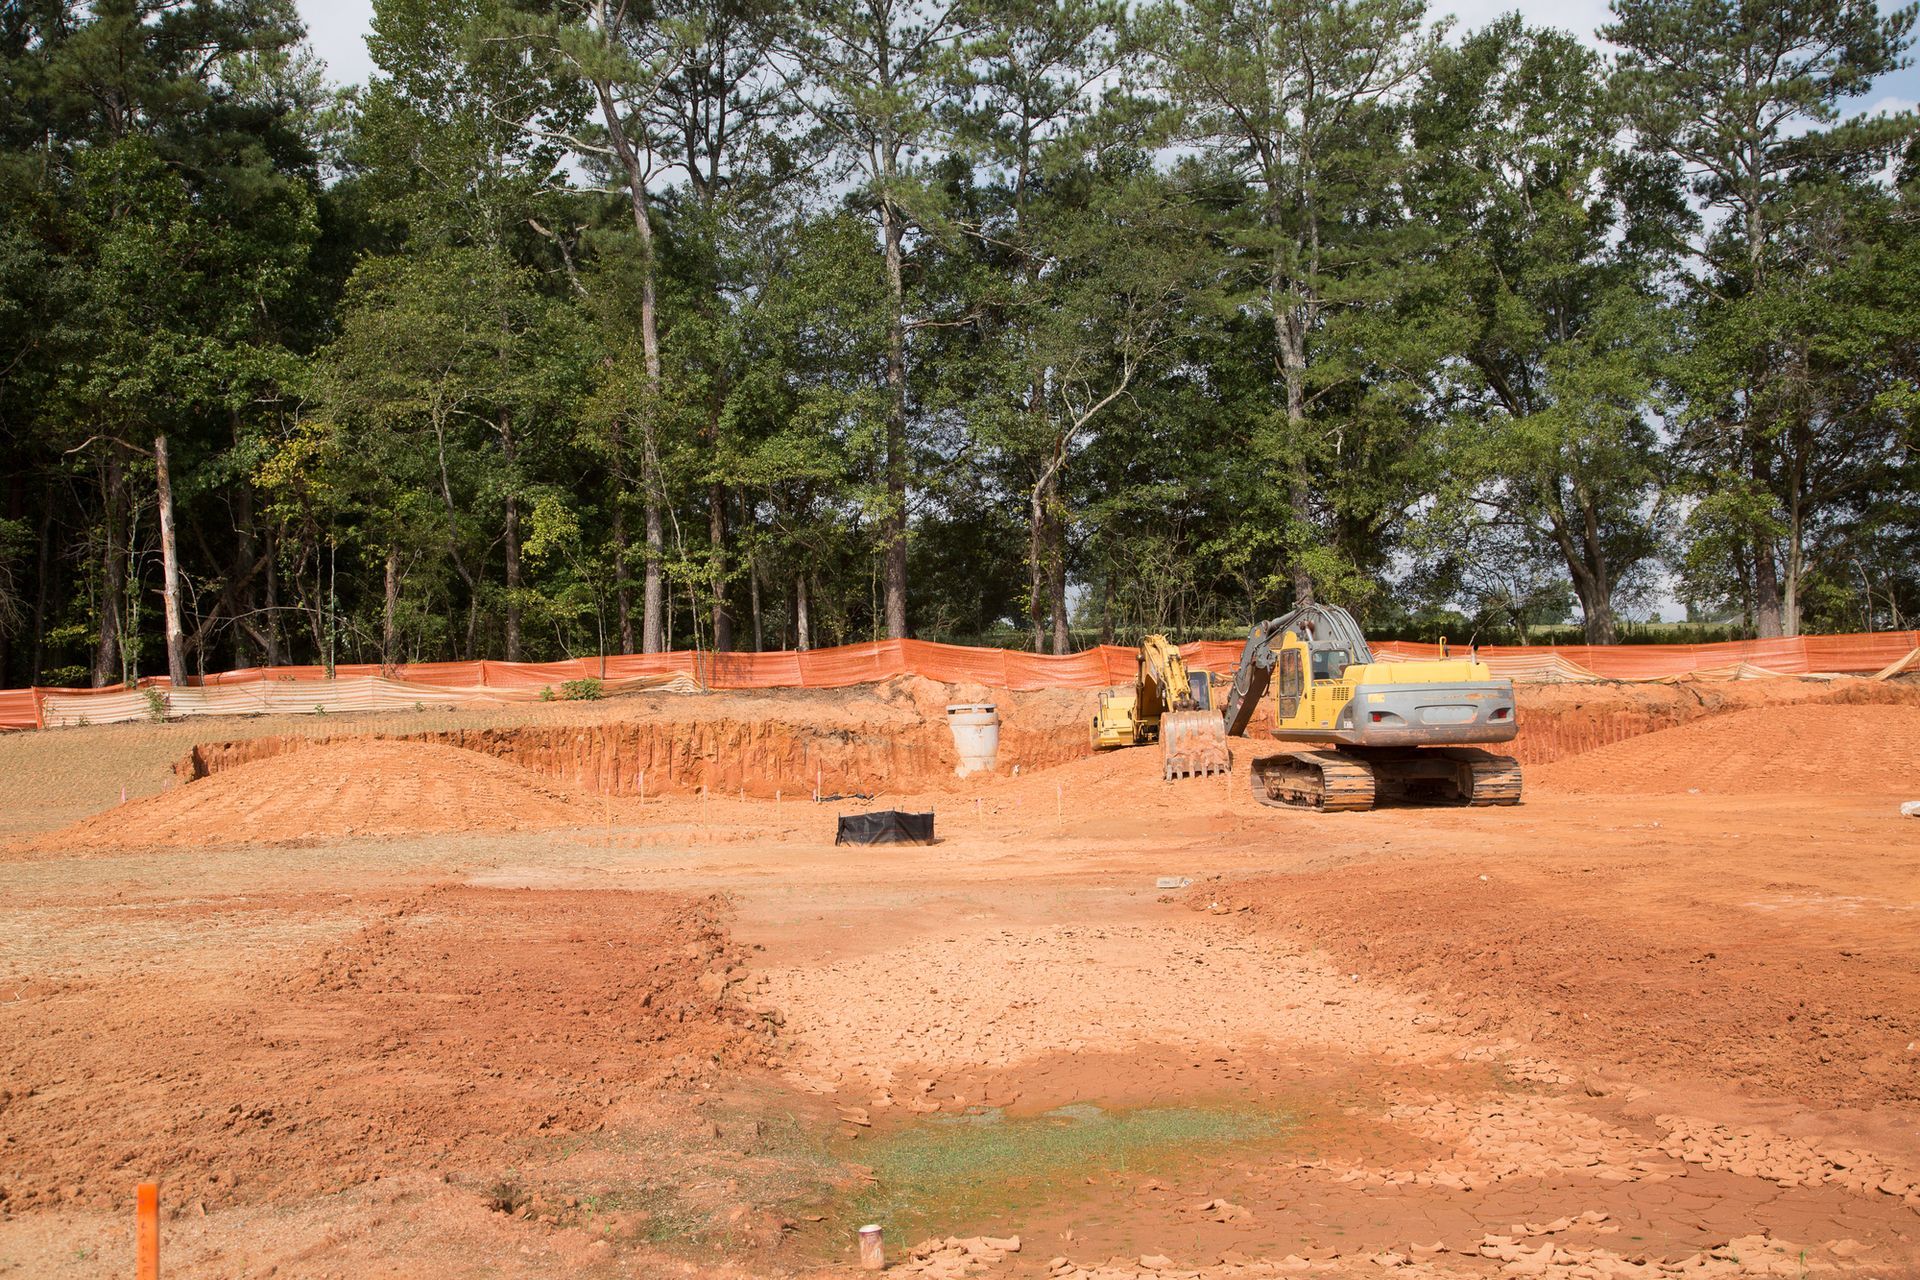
(887,745)
(728,756)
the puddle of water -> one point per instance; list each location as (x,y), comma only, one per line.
(985,1170)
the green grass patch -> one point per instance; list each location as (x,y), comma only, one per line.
(953,1174)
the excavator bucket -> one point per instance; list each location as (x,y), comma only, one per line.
(1193,744)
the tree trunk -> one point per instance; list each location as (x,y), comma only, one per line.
(622,573)
(1289,332)
(1796,564)
(753,603)
(391,608)
(16,510)
(244,558)
(1596,612)
(1037,566)
(894,529)
(622,579)
(717,535)
(471,649)
(802,624)
(1766,591)
(653,630)
(511,536)
(1767,620)
(273,603)
(1057,578)
(107,657)
(45,573)
(1597,604)
(169,567)
(1586,565)
(653,619)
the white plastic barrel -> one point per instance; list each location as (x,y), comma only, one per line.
(976,735)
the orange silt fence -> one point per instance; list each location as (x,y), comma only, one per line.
(367,686)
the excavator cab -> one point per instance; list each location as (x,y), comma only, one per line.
(1328,662)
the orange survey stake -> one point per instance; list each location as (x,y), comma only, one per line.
(147,1208)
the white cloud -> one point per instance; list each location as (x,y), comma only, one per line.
(1581,17)
(337,30)
(1891,105)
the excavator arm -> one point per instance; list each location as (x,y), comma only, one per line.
(1257,659)
(1163,675)
(1167,703)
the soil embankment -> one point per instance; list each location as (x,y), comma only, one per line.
(1560,720)
(1781,750)
(365,787)
(894,737)
(891,736)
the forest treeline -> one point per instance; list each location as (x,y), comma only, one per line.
(606,326)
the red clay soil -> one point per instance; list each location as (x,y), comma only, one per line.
(364,787)
(1788,964)
(1767,750)
(892,735)
(461,1025)
(1759,1004)
(1558,720)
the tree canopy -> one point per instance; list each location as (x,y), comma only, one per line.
(601,326)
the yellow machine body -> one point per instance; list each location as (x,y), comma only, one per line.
(1408,731)
(1436,701)
(1168,704)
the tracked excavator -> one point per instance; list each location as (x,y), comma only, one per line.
(1383,730)
(1168,703)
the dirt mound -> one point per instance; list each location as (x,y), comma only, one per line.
(352,788)
(1821,749)
(460,1024)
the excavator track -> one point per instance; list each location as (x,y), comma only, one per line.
(1327,781)
(1336,781)
(1490,779)
(1193,744)
(1442,775)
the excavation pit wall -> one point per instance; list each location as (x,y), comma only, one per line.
(894,738)
(1561,720)
(865,744)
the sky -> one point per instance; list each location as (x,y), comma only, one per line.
(338,30)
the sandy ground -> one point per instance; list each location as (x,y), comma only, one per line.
(408,1009)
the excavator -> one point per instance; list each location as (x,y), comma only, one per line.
(1168,703)
(1386,730)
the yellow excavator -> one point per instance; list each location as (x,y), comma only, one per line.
(1389,730)
(1168,703)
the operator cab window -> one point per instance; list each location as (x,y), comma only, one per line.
(1329,663)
